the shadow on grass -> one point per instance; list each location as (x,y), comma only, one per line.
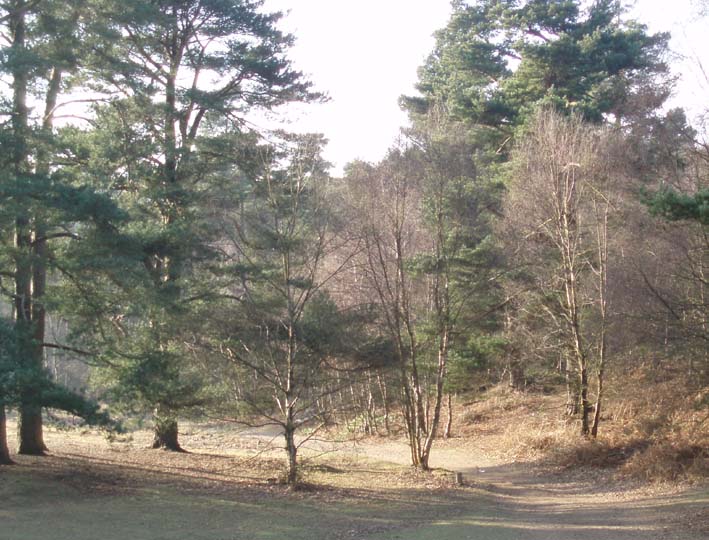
(207,497)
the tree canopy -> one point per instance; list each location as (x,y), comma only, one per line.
(497,60)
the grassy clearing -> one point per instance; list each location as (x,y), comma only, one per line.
(227,488)
(51,501)
(89,488)
(162,512)
(66,505)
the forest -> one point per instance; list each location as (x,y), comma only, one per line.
(541,225)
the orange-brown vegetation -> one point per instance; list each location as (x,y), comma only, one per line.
(655,427)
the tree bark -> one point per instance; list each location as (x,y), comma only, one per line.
(516,376)
(4,451)
(292,451)
(166,435)
(435,421)
(572,402)
(30,430)
(385,401)
(602,245)
(30,425)
(585,405)
(449,418)
(371,410)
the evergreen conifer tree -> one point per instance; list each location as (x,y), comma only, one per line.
(43,209)
(179,78)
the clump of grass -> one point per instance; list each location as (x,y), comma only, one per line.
(651,432)
(654,427)
(669,461)
(473,417)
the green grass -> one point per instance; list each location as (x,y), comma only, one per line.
(37,507)
(59,499)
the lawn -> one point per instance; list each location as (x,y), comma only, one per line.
(69,496)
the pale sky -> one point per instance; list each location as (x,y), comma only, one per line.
(364,54)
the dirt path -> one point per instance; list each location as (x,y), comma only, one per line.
(521,503)
(518,501)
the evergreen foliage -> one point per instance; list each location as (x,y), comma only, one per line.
(178,78)
(496,61)
(44,208)
(676,206)
(277,330)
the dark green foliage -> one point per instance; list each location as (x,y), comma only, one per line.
(16,376)
(460,201)
(276,330)
(675,206)
(471,360)
(494,65)
(497,60)
(9,364)
(44,208)
(173,150)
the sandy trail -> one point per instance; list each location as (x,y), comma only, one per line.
(522,504)
(518,502)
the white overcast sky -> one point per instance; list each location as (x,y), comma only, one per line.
(364,54)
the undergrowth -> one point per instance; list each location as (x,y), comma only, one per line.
(654,427)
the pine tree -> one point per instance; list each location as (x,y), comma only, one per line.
(179,76)
(277,324)
(497,60)
(39,211)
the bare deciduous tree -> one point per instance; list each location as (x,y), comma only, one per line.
(560,207)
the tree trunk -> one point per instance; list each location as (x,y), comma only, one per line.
(4,451)
(31,426)
(440,377)
(449,418)
(292,451)
(30,430)
(516,376)
(30,423)
(166,431)
(572,402)
(600,372)
(371,410)
(583,394)
(385,402)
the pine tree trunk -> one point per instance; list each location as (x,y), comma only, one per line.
(4,451)
(31,426)
(30,423)
(30,431)
(166,431)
